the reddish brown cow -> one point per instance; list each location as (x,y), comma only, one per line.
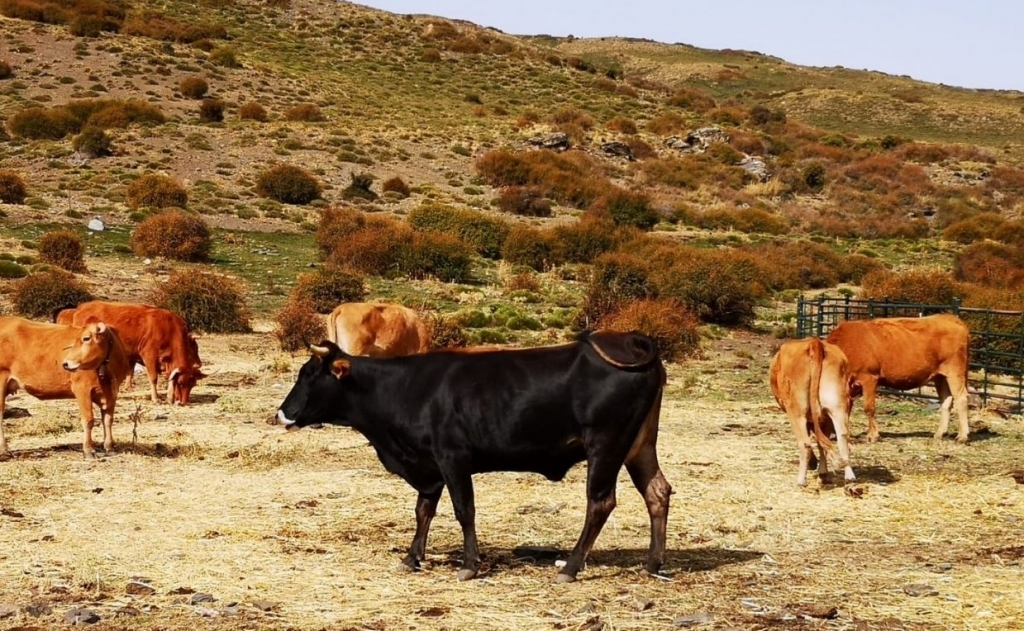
(377,330)
(905,353)
(812,386)
(156,338)
(53,361)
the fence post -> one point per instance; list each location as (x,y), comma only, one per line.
(846,310)
(956,307)
(800,317)
(820,314)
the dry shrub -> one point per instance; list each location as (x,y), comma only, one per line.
(691,172)
(155,25)
(430,55)
(691,99)
(616,279)
(749,220)
(208,302)
(93,142)
(523,280)
(288,184)
(528,201)
(373,248)
(731,116)
(328,287)
(572,117)
(921,286)
(41,123)
(990,264)
(584,241)
(979,227)
(63,248)
(641,150)
(436,255)
(12,188)
(6,70)
(1008,181)
(335,225)
(173,234)
(253,112)
(854,267)
(721,286)
(39,295)
(225,56)
(83,17)
(193,87)
(622,125)
(1011,233)
(672,325)
(298,325)
(156,191)
(211,110)
(666,124)
(797,265)
(530,247)
(626,208)
(306,112)
(55,123)
(445,331)
(572,178)
(485,234)
(396,185)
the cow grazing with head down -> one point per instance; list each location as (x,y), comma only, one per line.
(156,338)
(52,361)
(435,419)
(377,330)
(812,386)
(905,353)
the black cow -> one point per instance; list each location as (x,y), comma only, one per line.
(436,419)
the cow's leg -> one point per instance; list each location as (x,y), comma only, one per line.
(840,422)
(600,504)
(426,507)
(958,389)
(459,481)
(85,409)
(5,452)
(945,403)
(152,367)
(870,385)
(804,447)
(107,402)
(647,478)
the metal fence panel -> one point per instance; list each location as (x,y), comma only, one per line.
(997,339)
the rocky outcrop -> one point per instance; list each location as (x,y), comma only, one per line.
(698,140)
(617,149)
(556,141)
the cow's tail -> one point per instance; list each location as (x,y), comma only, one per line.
(622,350)
(816,350)
(332,329)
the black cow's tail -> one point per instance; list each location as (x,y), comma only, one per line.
(623,350)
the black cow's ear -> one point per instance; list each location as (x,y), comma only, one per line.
(340,368)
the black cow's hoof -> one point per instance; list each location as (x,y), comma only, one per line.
(405,568)
(564,578)
(465,574)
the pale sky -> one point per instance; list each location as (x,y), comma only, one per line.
(966,43)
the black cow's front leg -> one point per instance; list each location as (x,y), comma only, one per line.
(460,488)
(600,504)
(426,508)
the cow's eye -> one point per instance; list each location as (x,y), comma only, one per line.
(86,338)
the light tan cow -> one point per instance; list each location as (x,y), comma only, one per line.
(54,361)
(377,330)
(810,381)
(905,353)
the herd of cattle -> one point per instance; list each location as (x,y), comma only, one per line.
(436,418)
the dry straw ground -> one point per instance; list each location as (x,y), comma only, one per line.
(304,530)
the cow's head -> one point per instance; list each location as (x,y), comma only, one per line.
(318,393)
(181,381)
(91,347)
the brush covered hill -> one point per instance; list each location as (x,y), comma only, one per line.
(258,114)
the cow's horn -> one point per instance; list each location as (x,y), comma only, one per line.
(173,375)
(321,351)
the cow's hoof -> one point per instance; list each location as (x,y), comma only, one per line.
(561,577)
(5,456)
(90,455)
(961,440)
(872,439)
(405,568)
(465,574)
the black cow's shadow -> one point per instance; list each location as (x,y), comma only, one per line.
(876,474)
(154,450)
(686,560)
(204,397)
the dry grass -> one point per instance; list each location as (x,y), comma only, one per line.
(213,499)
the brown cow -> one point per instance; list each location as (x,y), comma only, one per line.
(810,381)
(377,330)
(156,338)
(53,361)
(905,353)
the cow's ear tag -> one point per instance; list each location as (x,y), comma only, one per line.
(340,368)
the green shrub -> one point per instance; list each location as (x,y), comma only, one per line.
(155,191)
(306,112)
(10,269)
(288,184)
(38,295)
(211,110)
(484,233)
(253,111)
(721,286)
(396,185)
(328,287)
(193,87)
(436,255)
(673,326)
(813,176)
(63,248)
(298,324)
(208,302)
(93,142)
(528,201)
(12,188)
(584,241)
(445,331)
(173,234)
(530,247)
(224,56)
(627,208)
(616,279)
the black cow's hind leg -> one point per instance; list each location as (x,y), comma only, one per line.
(600,503)
(460,488)
(426,508)
(647,478)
